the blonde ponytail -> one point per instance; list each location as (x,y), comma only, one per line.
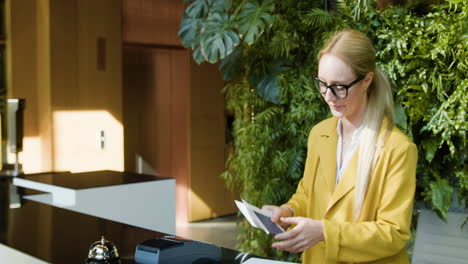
(369,148)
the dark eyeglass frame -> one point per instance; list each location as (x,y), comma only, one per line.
(335,87)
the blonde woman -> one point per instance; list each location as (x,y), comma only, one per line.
(354,202)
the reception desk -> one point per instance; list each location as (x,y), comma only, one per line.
(56,235)
(148,201)
(52,234)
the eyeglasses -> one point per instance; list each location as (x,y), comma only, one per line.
(338,90)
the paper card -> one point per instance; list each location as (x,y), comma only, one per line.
(263,219)
(259,218)
(246,213)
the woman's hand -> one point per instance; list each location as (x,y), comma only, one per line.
(305,234)
(278,212)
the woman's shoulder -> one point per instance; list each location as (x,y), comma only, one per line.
(325,127)
(399,140)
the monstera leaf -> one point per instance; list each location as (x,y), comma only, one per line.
(190,30)
(267,82)
(208,28)
(199,8)
(197,55)
(230,66)
(221,6)
(254,18)
(218,37)
(192,22)
(267,85)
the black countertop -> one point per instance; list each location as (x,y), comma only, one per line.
(57,235)
(93,179)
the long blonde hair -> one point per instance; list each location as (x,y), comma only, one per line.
(356,50)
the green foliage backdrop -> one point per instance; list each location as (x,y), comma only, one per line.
(267,50)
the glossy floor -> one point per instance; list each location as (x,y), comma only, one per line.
(220,231)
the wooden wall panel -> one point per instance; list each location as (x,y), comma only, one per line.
(156,114)
(100,89)
(174,121)
(208,195)
(181,125)
(64,52)
(86,100)
(22,41)
(69,101)
(180,158)
(136,68)
(147,108)
(28,74)
(152,21)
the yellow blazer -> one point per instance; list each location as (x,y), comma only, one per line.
(381,233)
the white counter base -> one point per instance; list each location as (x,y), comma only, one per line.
(11,255)
(149,205)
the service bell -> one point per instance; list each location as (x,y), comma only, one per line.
(103,252)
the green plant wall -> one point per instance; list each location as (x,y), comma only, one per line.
(267,51)
(425,57)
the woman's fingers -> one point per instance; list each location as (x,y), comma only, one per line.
(268,208)
(285,244)
(275,212)
(292,220)
(288,234)
(295,244)
(306,233)
(298,247)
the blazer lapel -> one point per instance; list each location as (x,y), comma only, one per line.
(347,182)
(348,178)
(328,153)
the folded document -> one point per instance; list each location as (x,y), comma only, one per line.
(259,218)
(265,261)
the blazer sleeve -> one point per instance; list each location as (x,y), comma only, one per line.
(300,199)
(389,234)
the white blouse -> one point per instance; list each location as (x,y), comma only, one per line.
(340,167)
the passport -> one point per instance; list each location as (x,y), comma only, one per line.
(259,218)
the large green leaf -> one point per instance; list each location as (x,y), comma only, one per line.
(441,196)
(189,31)
(400,116)
(208,30)
(267,82)
(218,38)
(198,8)
(197,18)
(198,55)
(254,19)
(221,6)
(430,145)
(231,65)
(267,86)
